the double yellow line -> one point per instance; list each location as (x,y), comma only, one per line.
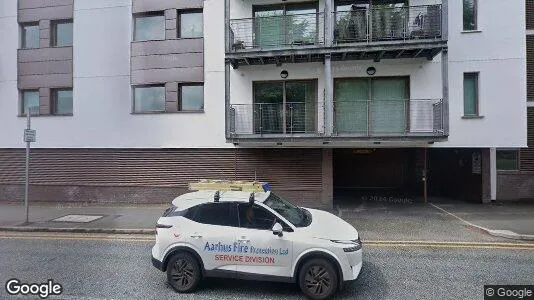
(143,238)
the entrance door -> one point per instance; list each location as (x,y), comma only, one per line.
(372,106)
(285,106)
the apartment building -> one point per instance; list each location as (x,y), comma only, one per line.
(133,99)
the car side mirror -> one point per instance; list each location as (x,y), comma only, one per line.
(277,229)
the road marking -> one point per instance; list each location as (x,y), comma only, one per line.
(369,243)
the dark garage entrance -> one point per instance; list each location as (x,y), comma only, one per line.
(392,173)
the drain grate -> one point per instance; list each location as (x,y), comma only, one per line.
(78,218)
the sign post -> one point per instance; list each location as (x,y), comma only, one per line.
(29,137)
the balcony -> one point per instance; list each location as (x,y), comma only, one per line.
(367,32)
(353,120)
(389,118)
(274,120)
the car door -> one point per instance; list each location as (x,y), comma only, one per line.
(263,252)
(212,234)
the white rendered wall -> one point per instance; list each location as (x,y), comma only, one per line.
(102,93)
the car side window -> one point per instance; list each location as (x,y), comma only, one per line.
(213,214)
(255,217)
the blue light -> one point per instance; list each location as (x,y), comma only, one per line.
(266,187)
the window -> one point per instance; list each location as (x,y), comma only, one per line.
(62,33)
(470,14)
(30,36)
(149,99)
(471,94)
(62,102)
(191,97)
(29,99)
(507,160)
(191,24)
(255,217)
(149,27)
(215,214)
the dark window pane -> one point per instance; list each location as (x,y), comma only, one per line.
(470,94)
(150,28)
(192,97)
(255,217)
(63,34)
(214,214)
(470,14)
(507,160)
(30,36)
(191,25)
(30,99)
(62,102)
(149,99)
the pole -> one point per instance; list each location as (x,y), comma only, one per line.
(27,187)
(425,177)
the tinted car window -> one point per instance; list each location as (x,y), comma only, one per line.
(255,217)
(213,214)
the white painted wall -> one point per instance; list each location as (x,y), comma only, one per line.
(102,93)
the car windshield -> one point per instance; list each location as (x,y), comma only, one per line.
(286,209)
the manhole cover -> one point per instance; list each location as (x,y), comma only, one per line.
(78,218)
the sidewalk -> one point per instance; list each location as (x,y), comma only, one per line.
(440,220)
(107,218)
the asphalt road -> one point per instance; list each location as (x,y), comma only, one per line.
(93,268)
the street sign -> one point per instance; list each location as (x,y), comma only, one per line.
(30,135)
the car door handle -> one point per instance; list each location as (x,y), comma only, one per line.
(196,236)
(243,240)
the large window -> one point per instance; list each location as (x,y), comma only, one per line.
(285,106)
(470,14)
(191,97)
(62,102)
(62,33)
(471,94)
(507,160)
(191,24)
(29,99)
(149,27)
(149,99)
(30,36)
(286,24)
(371,105)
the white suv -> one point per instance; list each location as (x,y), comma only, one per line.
(257,236)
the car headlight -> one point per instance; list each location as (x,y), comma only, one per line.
(352,245)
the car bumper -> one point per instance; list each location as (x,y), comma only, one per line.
(355,266)
(157,264)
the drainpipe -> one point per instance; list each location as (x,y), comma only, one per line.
(226,67)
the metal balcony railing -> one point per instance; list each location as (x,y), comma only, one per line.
(403,117)
(273,119)
(277,32)
(386,23)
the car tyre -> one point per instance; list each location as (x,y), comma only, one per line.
(318,279)
(183,272)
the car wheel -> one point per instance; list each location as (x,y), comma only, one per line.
(183,272)
(318,279)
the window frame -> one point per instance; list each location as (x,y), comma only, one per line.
(23,34)
(475,16)
(179,22)
(53,101)
(180,98)
(517,159)
(476,76)
(157,13)
(22,111)
(53,32)
(160,85)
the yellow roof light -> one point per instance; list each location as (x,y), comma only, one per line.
(229,185)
